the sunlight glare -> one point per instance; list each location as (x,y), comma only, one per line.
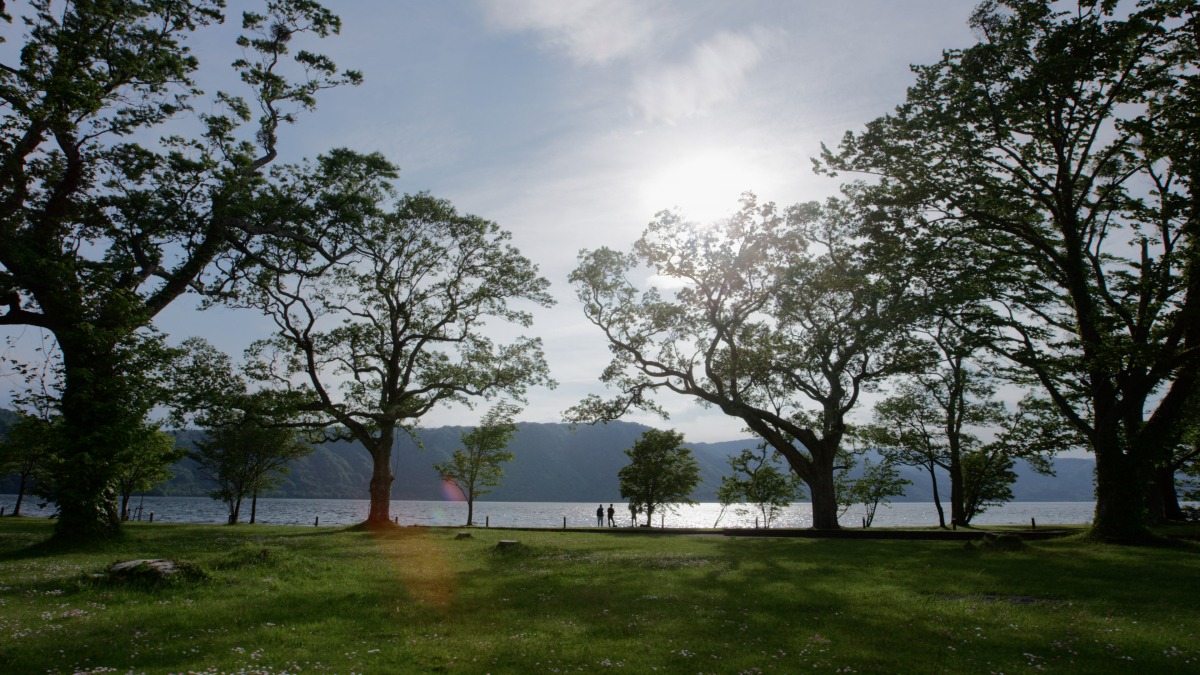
(704,187)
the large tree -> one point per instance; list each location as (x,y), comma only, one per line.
(102,226)
(476,468)
(402,326)
(760,327)
(1058,161)
(661,473)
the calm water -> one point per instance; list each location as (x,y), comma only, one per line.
(551,514)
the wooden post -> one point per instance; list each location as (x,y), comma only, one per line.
(317,521)
(864,522)
(1033,523)
(564,522)
(487,521)
(395,520)
(152,516)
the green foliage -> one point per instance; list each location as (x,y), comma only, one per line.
(757,481)
(1048,174)
(144,464)
(877,484)
(477,468)
(935,418)
(245,458)
(784,337)
(397,327)
(27,449)
(661,473)
(99,233)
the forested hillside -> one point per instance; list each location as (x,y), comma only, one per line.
(555,463)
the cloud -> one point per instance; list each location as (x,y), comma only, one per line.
(588,31)
(713,73)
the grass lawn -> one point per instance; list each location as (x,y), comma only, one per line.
(289,599)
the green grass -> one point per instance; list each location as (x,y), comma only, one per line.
(277,599)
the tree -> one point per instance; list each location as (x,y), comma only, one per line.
(935,418)
(878,483)
(398,327)
(250,437)
(760,328)
(98,233)
(661,473)
(1057,163)
(26,447)
(245,457)
(144,464)
(757,481)
(476,468)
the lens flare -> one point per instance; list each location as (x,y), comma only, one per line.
(420,564)
(451,492)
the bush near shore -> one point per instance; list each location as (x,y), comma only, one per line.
(278,599)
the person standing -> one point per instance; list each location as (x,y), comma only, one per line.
(600,515)
(611,512)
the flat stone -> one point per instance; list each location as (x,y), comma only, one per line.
(507,543)
(159,567)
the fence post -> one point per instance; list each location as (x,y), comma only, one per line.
(152,516)
(564,522)
(317,521)
(1033,523)
(487,521)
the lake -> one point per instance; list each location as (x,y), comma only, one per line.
(279,511)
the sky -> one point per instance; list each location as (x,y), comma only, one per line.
(571,123)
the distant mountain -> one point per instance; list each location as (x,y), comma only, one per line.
(556,463)
(7,418)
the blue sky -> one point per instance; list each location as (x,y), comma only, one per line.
(571,122)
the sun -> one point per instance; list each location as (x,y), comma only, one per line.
(704,187)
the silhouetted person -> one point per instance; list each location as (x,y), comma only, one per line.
(600,516)
(611,512)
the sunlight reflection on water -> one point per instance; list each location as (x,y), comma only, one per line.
(281,511)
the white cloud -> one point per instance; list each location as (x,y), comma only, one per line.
(713,73)
(588,31)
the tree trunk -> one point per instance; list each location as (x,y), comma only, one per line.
(235,510)
(816,471)
(20,494)
(824,499)
(1121,482)
(958,507)
(1163,499)
(470,510)
(381,481)
(97,424)
(937,499)
(820,483)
